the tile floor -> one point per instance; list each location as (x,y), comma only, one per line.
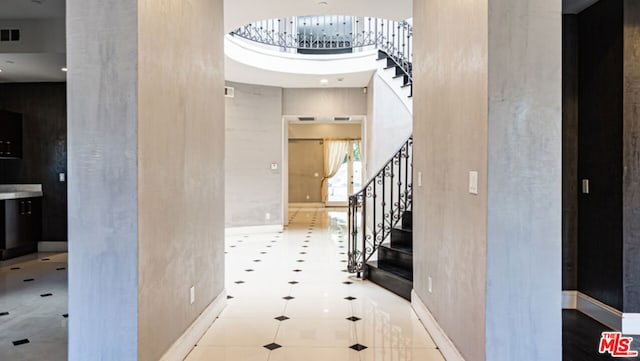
(33,308)
(289,299)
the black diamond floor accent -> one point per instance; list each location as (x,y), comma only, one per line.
(60,269)
(229,297)
(20,342)
(263,252)
(46,295)
(66,315)
(354,319)
(358,347)
(272,346)
(29,280)
(300,260)
(239,282)
(4,314)
(297,270)
(294,282)
(303,252)
(46,259)
(305,246)
(343,260)
(288,298)
(256,260)
(350,298)
(282,318)
(347,282)
(248,270)
(233,246)
(15,268)
(268,246)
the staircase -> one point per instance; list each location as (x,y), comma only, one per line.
(402,70)
(394,268)
(380,225)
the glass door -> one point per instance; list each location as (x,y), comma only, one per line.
(347,180)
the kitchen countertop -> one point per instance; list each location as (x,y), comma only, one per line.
(16,191)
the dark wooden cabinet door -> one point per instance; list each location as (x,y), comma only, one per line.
(31,220)
(10,134)
(11,223)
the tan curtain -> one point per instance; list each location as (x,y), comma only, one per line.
(334,153)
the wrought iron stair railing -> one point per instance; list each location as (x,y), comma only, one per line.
(376,209)
(332,33)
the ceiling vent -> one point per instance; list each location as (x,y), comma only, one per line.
(229,92)
(306,119)
(9,35)
(341,119)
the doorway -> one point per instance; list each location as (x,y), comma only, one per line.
(348,178)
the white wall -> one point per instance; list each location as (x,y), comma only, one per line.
(324,101)
(389,124)
(254,140)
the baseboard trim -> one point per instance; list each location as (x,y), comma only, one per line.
(234,231)
(631,323)
(569,300)
(599,311)
(444,343)
(183,345)
(49,246)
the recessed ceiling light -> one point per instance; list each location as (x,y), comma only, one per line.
(64,69)
(324,81)
(340,79)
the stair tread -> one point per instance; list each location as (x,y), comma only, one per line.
(400,272)
(403,249)
(403,229)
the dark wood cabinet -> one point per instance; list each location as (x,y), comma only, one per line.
(10,134)
(21,223)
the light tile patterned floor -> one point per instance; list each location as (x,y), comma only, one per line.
(33,308)
(291,300)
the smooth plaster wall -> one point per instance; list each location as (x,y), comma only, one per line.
(254,139)
(389,124)
(631,158)
(102,98)
(324,101)
(146,145)
(450,109)
(524,225)
(180,166)
(487,98)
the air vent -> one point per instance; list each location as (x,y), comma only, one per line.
(306,119)
(9,35)
(229,92)
(341,119)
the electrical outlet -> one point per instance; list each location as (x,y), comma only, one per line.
(430,284)
(61,177)
(192,295)
(419,179)
(267,216)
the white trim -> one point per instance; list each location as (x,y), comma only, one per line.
(600,312)
(444,343)
(46,246)
(234,231)
(184,344)
(569,300)
(631,323)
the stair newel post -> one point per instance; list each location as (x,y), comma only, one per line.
(406,176)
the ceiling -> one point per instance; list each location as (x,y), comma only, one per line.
(31,9)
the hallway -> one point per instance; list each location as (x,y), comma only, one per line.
(290,300)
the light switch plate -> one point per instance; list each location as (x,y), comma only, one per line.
(585,186)
(61,177)
(473,182)
(419,179)
(274,166)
